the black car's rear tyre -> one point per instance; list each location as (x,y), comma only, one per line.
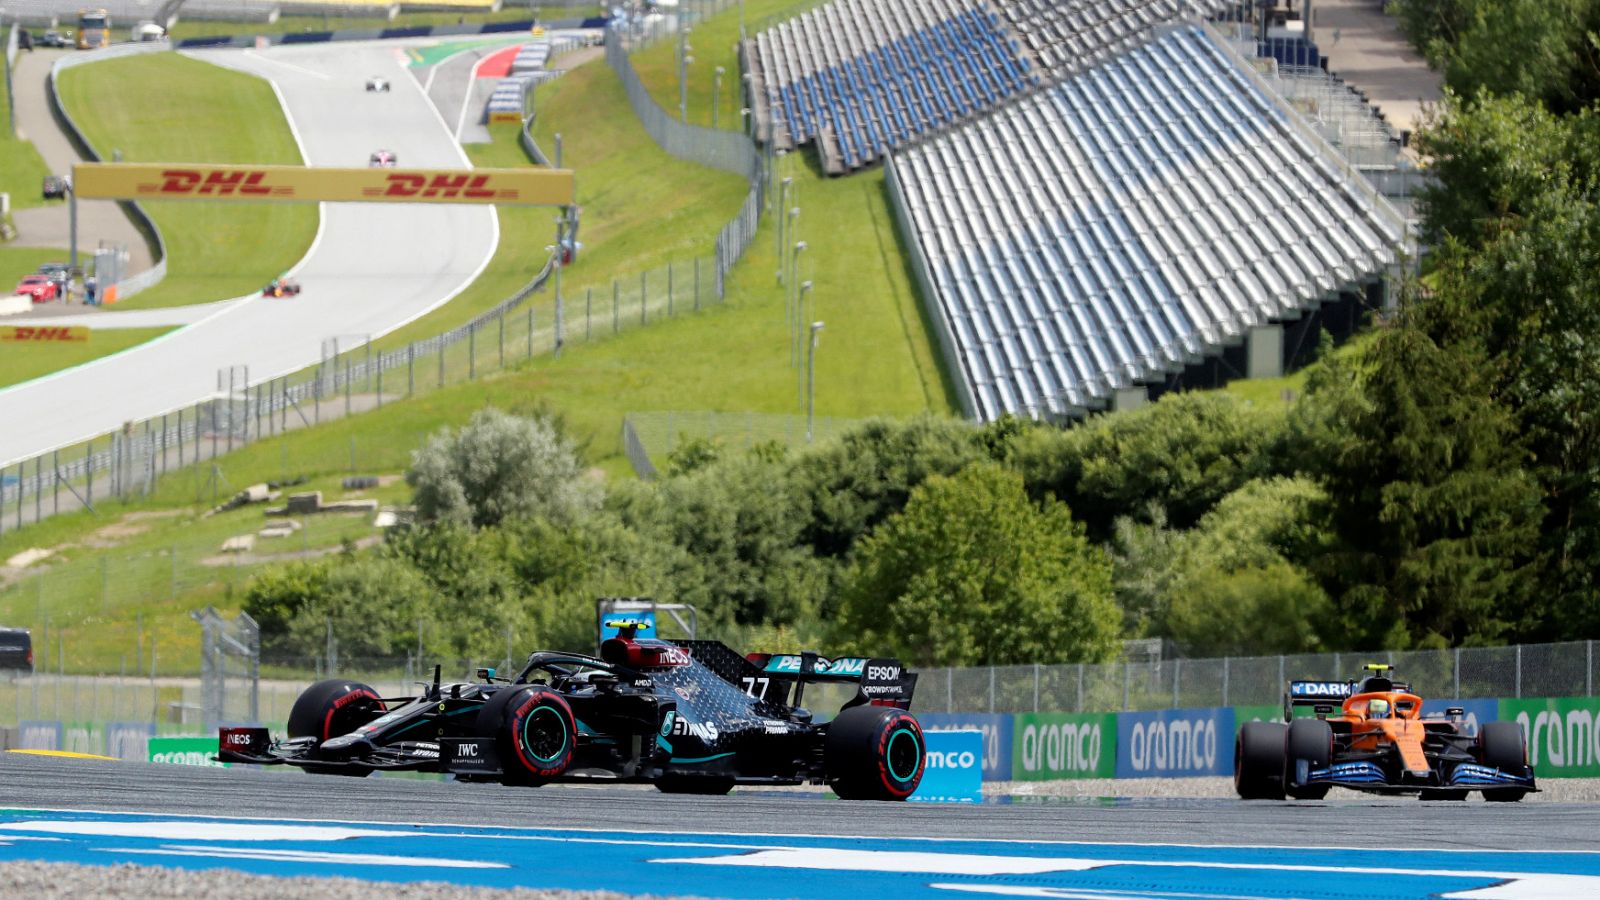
(333,707)
(874,753)
(1311,741)
(704,785)
(1258,760)
(535,731)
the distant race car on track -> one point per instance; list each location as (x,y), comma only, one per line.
(378,84)
(1379,741)
(688,716)
(383,159)
(38,287)
(281,287)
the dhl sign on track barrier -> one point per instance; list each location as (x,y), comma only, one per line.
(301,184)
(43,334)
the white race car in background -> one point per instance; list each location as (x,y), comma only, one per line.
(378,84)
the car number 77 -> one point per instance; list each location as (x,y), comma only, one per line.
(756,687)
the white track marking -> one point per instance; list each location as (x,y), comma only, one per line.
(288,65)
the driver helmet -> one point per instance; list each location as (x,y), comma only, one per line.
(1378,708)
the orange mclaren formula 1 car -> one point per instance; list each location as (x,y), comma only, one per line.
(1378,741)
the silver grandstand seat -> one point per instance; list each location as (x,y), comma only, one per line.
(1126,222)
(860,77)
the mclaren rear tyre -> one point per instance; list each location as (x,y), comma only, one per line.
(873,753)
(535,733)
(1501,746)
(1310,742)
(333,707)
(706,786)
(1258,760)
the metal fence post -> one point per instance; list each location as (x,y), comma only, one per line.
(472,353)
(991,689)
(379,377)
(616,299)
(441,361)
(502,338)
(1177,671)
(1226,660)
(1035,687)
(88,458)
(1127,683)
(1080,688)
(1588,669)
(347,380)
(1456,679)
(950,690)
(411,368)
(55,481)
(1519,670)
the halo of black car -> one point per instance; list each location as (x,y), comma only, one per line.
(1377,740)
(688,716)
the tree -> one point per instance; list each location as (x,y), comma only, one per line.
(1183,453)
(499,467)
(973,572)
(851,485)
(1543,49)
(1433,512)
(1232,586)
(372,605)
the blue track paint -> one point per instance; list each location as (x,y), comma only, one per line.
(739,866)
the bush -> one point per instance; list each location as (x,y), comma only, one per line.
(500,467)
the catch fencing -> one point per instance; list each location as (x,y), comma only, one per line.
(1464,673)
(12,44)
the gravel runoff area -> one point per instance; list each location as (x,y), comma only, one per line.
(48,881)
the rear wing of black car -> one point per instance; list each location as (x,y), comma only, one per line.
(782,677)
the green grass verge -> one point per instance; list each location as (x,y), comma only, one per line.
(21,167)
(24,362)
(205,114)
(711,44)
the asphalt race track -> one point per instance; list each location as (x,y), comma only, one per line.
(786,844)
(372,267)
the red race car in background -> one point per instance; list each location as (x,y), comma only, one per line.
(39,287)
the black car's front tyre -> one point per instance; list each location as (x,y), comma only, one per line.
(1310,742)
(535,732)
(874,753)
(1501,746)
(333,707)
(1258,760)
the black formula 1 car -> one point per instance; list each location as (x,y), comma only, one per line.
(1377,740)
(688,716)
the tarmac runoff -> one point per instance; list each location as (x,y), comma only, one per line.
(396,835)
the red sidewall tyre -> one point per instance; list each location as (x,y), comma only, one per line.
(333,707)
(538,736)
(874,753)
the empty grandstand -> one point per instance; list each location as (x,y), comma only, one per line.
(860,77)
(1126,222)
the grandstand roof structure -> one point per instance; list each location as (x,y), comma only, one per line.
(1128,221)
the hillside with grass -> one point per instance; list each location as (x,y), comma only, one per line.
(206,114)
